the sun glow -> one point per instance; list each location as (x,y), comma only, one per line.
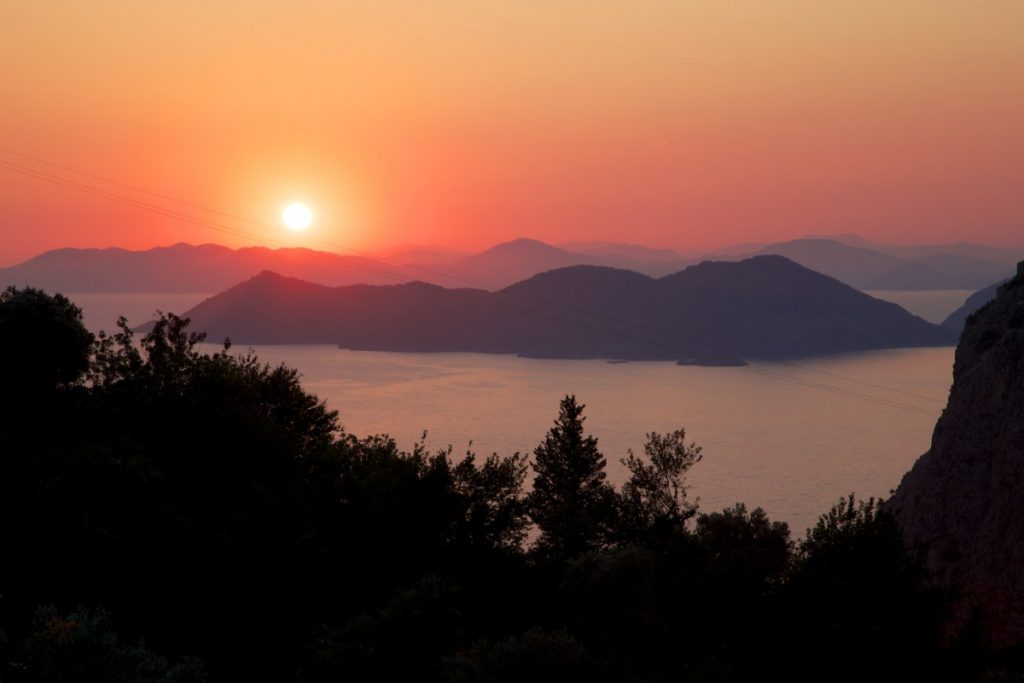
(297,216)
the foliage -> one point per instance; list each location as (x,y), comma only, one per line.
(654,497)
(537,655)
(571,502)
(746,545)
(858,544)
(166,350)
(180,475)
(847,522)
(857,586)
(398,641)
(491,496)
(219,510)
(43,342)
(83,647)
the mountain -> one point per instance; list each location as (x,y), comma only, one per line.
(941,271)
(414,254)
(865,266)
(981,252)
(734,252)
(849,238)
(856,266)
(510,262)
(184,268)
(963,499)
(647,260)
(204,268)
(716,313)
(978,252)
(636,252)
(188,268)
(956,319)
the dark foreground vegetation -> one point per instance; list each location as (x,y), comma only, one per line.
(167,515)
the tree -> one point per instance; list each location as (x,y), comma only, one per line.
(43,342)
(655,496)
(857,587)
(536,655)
(490,494)
(184,477)
(83,646)
(747,547)
(571,502)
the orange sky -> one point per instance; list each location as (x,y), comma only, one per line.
(681,123)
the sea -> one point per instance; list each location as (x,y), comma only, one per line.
(792,438)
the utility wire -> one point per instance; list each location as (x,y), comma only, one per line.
(739,353)
(672,348)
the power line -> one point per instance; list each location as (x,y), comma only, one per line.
(739,353)
(735,351)
(503,305)
(671,348)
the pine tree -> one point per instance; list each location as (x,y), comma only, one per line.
(571,502)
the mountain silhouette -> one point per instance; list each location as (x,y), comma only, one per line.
(714,312)
(188,268)
(867,266)
(856,266)
(940,271)
(185,268)
(955,321)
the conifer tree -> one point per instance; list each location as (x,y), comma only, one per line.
(571,502)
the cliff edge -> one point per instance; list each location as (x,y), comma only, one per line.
(964,498)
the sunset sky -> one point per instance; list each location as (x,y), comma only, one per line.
(686,123)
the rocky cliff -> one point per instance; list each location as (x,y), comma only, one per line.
(964,498)
(956,319)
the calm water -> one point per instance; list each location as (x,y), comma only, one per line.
(786,447)
(767,441)
(932,305)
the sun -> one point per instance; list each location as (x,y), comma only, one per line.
(297,216)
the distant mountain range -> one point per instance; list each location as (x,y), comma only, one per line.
(212,268)
(883,267)
(186,268)
(711,313)
(511,262)
(975,301)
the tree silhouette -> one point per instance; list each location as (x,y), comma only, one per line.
(571,502)
(226,515)
(746,548)
(83,647)
(654,498)
(43,342)
(857,587)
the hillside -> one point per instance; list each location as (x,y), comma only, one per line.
(765,307)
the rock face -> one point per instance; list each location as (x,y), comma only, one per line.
(956,319)
(964,498)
